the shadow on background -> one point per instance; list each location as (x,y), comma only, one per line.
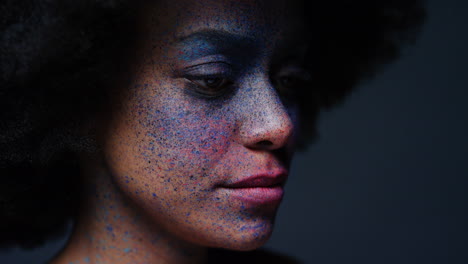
(387,181)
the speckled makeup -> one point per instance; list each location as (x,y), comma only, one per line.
(197,150)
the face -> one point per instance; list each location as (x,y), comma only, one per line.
(202,138)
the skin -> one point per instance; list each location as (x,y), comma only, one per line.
(208,104)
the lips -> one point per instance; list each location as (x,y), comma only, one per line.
(259,189)
(270,179)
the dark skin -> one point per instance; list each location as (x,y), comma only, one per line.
(207,106)
(61,62)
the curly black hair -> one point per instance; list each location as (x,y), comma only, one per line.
(59,58)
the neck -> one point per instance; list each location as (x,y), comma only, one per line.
(110,229)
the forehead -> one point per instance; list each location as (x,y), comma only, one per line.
(262,19)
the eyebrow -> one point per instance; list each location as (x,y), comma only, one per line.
(215,37)
(243,48)
(240,49)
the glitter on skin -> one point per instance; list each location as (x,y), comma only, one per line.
(171,142)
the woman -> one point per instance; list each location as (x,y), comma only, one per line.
(166,128)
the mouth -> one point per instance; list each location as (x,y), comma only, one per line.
(264,188)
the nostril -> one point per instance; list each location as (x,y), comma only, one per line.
(264,143)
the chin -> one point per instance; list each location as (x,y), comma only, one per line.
(249,237)
(250,244)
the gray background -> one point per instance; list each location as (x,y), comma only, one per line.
(386,181)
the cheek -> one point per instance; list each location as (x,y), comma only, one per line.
(171,154)
(175,143)
(189,136)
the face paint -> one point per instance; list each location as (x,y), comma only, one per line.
(205,138)
(201,143)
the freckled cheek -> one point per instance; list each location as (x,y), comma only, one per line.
(190,145)
(213,138)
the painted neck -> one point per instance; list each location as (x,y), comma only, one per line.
(110,229)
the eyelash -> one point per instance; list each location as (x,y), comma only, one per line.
(200,75)
(223,76)
(298,79)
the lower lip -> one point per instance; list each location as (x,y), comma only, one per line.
(258,195)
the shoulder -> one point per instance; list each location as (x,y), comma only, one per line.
(256,256)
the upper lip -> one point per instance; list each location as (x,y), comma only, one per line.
(268,179)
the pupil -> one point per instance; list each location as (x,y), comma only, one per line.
(213,82)
(286,81)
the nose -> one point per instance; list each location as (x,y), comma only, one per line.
(266,122)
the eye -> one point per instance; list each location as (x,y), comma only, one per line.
(209,79)
(292,82)
(210,86)
(213,83)
(289,82)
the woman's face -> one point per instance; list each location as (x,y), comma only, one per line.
(203,137)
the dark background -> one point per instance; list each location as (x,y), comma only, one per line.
(387,180)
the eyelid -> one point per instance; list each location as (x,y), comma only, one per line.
(199,71)
(209,69)
(205,60)
(213,65)
(296,71)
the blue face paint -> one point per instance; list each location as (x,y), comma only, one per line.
(197,152)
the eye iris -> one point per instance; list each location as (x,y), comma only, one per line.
(213,82)
(288,81)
